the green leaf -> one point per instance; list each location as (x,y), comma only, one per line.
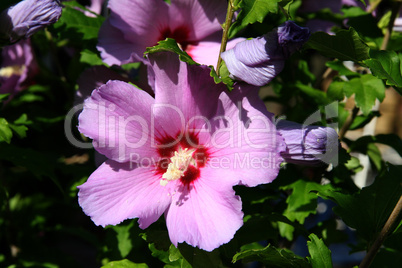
(19,125)
(318,96)
(275,258)
(199,258)
(338,65)
(335,90)
(125,264)
(5,132)
(362,120)
(252,11)
(91,58)
(76,21)
(368,210)
(302,202)
(386,65)
(375,156)
(4,96)
(177,260)
(391,140)
(170,45)
(124,243)
(224,76)
(345,45)
(367,89)
(39,163)
(320,254)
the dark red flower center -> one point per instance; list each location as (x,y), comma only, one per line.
(181,158)
(180,34)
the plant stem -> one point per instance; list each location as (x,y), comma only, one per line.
(228,22)
(348,123)
(386,230)
(373,6)
(395,11)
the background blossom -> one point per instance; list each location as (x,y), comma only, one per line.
(199,204)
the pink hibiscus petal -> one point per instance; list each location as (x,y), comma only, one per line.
(114,49)
(203,17)
(115,192)
(139,18)
(245,141)
(117,117)
(207,52)
(185,95)
(206,216)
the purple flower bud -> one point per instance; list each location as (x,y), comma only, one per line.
(259,60)
(308,145)
(27,17)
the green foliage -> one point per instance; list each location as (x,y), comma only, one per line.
(320,254)
(170,45)
(345,45)
(74,24)
(42,224)
(252,11)
(302,202)
(5,132)
(386,65)
(273,257)
(125,264)
(367,89)
(368,210)
(391,140)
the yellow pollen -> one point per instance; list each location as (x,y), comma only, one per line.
(11,70)
(178,165)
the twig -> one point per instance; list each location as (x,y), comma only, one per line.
(228,22)
(395,11)
(348,123)
(373,6)
(386,230)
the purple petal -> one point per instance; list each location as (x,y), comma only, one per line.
(96,6)
(142,23)
(117,117)
(245,147)
(203,17)
(207,52)
(115,192)
(18,67)
(92,78)
(131,27)
(29,16)
(206,216)
(114,48)
(182,92)
(291,37)
(259,60)
(308,145)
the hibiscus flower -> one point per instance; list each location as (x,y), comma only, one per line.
(18,67)
(178,154)
(134,25)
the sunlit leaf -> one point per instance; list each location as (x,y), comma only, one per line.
(320,255)
(386,65)
(367,89)
(125,264)
(170,45)
(252,11)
